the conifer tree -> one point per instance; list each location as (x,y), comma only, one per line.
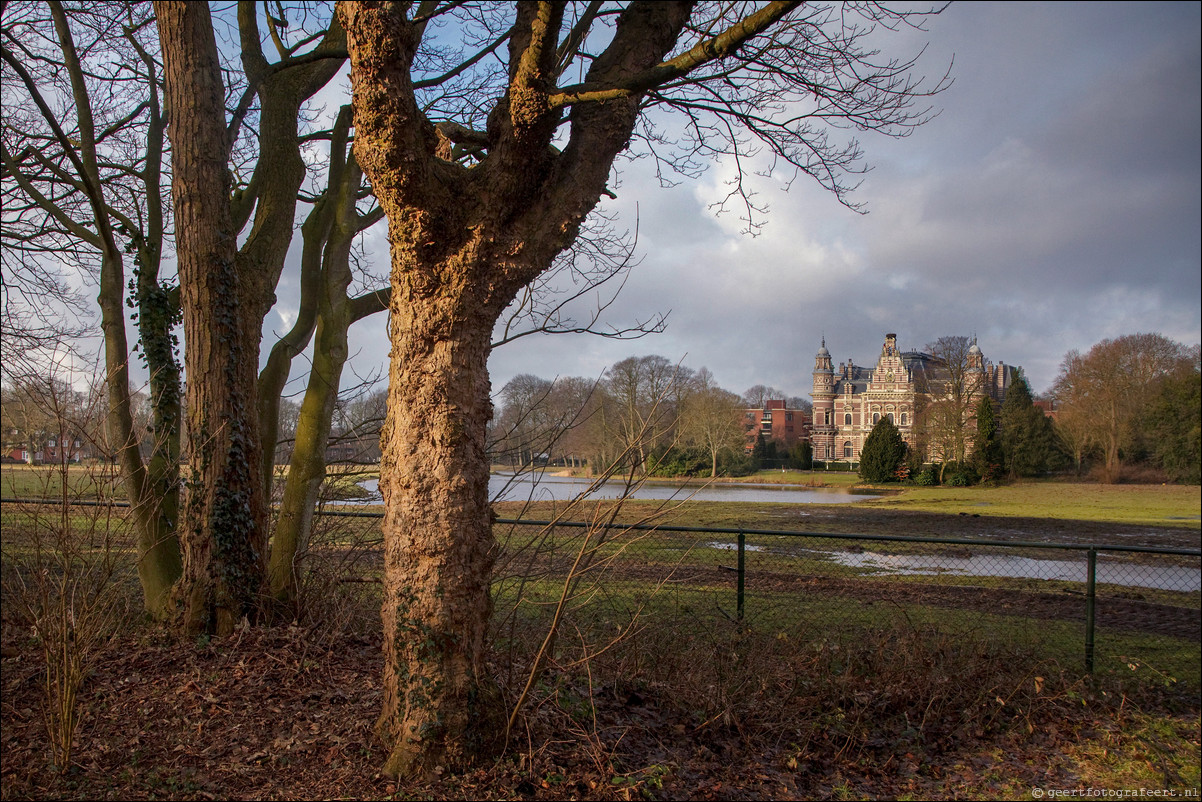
(1027,438)
(1175,425)
(884,452)
(987,454)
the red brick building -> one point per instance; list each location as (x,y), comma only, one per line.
(777,422)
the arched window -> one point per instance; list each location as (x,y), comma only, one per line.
(889,415)
(876,418)
(847,450)
(903,419)
(847,419)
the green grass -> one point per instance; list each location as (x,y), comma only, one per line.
(1158,505)
(1133,659)
(1152,751)
(46,481)
(1155,505)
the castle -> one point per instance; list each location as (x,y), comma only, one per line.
(849,401)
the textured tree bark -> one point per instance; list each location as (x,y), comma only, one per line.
(439,703)
(223,530)
(463,242)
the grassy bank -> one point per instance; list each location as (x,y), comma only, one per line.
(1156,505)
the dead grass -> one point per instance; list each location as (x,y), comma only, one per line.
(286,713)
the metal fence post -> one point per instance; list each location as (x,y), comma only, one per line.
(1091,568)
(742,574)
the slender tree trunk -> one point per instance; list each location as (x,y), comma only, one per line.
(159,564)
(307,468)
(158,554)
(224,529)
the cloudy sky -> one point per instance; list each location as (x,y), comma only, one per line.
(1054,202)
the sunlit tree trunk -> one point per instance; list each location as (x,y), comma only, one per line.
(434,479)
(463,241)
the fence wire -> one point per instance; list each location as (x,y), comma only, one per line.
(838,587)
(1102,604)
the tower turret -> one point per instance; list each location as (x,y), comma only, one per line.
(822,433)
(824,374)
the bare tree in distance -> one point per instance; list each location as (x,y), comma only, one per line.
(710,419)
(757,396)
(643,391)
(948,393)
(570,87)
(1111,387)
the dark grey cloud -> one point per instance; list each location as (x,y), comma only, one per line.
(1054,202)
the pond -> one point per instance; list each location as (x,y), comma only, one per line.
(543,487)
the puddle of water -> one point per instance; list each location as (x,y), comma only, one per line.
(1111,572)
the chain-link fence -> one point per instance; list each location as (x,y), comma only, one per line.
(1094,605)
(1076,603)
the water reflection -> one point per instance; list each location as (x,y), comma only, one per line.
(1112,571)
(542,487)
(507,487)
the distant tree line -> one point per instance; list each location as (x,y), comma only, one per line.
(1131,404)
(646,415)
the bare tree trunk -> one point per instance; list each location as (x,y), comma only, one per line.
(307,468)
(158,548)
(463,242)
(335,313)
(224,529)
(158,554)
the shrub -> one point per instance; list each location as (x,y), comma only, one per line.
(959,474)
(884,452)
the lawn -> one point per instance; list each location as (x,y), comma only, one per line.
(85,482)
(1156,505)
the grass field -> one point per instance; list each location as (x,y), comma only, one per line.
(1159,505)
(47,481)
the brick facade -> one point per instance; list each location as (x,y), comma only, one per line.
(777,422)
